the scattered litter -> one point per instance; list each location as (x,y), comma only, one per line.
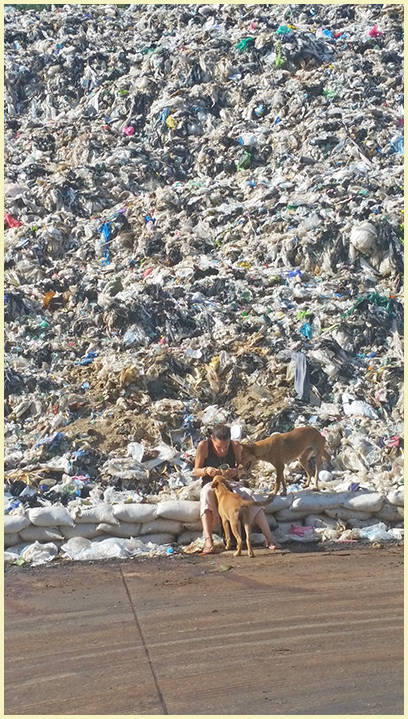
(203,224)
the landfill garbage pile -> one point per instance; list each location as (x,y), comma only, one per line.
(203,222)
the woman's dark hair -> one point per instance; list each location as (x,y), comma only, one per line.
(221,431)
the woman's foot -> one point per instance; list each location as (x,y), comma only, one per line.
(208,546)
(272,546)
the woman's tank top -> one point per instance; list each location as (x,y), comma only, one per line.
(213,460)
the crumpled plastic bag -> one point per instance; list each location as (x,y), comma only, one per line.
(38,553)
(298,533)
(81,549)
(380,533)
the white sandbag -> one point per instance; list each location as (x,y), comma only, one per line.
(15,523)
(188,536)
(346,514)
(41,534)
(121,529)
(38,553)
(390,512)
(168,526)
(57,515)
(315,502)
(362,501)
(193,526)
(257,540)
(319,520)
(358,523)
(396,496)
(279,503)
(162,538)
(99,513)
(10,539)
(89,531)
(135,512)
(289,515)
(181,510)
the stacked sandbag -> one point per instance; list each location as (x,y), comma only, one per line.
(300,516)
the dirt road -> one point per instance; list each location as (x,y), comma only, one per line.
(307,631)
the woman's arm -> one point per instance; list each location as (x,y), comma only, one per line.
(201,456)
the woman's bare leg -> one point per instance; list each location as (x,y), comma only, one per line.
(263,525)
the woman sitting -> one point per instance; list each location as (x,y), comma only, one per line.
(221,455)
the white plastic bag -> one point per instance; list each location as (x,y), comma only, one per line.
(38,553)
(377,533)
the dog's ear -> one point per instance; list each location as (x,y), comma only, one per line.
(215,482)
(248,443)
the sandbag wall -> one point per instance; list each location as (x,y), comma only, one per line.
(178,521)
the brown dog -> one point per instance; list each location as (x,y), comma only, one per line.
(233,511)
(280,449)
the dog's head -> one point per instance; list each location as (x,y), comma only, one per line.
(248,455)
(218,479)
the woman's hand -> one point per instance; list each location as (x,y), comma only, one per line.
(212,471)
(230,473)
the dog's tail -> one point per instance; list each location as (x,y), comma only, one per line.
(261,503)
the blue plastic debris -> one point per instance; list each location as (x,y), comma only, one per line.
(105,230)
(87,359)
(306,330)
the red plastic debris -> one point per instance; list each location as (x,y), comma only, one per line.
(10,221)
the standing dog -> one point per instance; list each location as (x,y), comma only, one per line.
(233,511)
(280,449)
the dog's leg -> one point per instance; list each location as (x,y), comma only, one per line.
(245,518)
(280,480)
(304,461)
(318,462)
(227,533)
(236,530)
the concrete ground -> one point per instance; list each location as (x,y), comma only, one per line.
(306,631)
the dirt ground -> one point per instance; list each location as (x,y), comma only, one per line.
(309,630)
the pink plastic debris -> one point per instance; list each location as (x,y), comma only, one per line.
(10,221)
(375,32)
(129,130)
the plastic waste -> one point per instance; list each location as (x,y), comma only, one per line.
(203,224)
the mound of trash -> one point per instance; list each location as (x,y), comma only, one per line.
(203,223)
